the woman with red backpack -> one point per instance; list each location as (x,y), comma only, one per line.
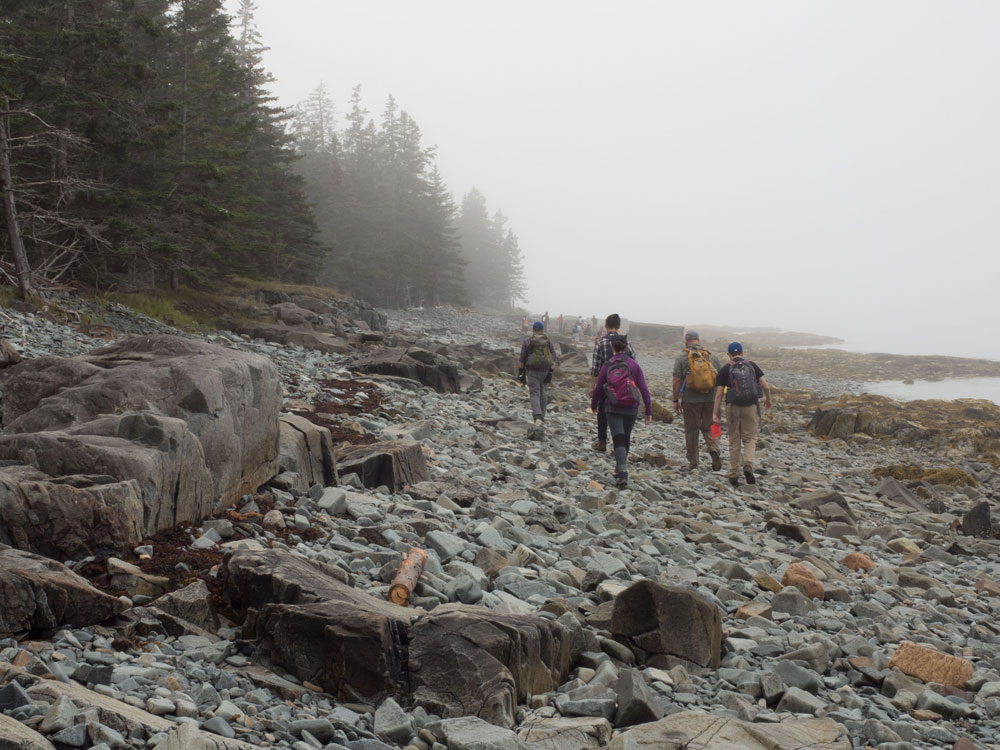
(620,385)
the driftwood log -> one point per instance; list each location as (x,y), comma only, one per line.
(406,577)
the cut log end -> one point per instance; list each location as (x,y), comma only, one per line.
(406,577)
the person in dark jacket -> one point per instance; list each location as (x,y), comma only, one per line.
(621,417)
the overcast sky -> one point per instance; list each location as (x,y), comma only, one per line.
(829,166)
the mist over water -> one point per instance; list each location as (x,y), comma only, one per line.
(947,389)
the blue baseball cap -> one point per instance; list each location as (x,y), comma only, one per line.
(537,325)
(736,348)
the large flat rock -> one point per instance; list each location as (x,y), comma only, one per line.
(694,730)
(194,423)
(39,594)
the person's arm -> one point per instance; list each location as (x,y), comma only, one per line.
(677,394)
(767,391)
(596,361)
(555,355)
(647,400)
(718,402)
(598,388)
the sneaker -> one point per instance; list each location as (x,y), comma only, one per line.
(748,473)
(734,481)
(599,445)
(716,460)
(621,480)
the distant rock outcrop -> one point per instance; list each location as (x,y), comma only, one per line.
(655,332)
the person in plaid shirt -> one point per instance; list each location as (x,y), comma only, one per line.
(602,353)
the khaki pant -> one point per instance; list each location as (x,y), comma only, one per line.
(698,419)
(743,423)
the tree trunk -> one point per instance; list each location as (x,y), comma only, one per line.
(24,282)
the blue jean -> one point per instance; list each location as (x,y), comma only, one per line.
(620,426)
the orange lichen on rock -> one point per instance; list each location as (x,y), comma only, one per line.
(931,666)
(857,561)
(804,580)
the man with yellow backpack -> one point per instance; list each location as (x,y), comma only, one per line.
(694,385)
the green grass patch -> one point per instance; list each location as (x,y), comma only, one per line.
(159,307)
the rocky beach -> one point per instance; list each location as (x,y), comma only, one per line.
(200,533)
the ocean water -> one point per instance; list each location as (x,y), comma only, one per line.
(947,389)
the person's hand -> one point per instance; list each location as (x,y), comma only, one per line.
(548,377)
(649,418)
(677,407)
(767,403)
(715,419)
(522,378)
(593,410)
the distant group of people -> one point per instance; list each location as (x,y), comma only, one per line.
(580,327)
(618,387)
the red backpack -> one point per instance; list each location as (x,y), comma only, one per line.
(620,388)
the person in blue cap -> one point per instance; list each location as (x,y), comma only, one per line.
(538,358)
(743,383)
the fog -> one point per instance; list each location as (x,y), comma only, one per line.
(832,167)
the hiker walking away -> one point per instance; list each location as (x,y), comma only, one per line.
(545,320)
(524,325)
(620,385)
(742,381)
(694,382)
(602,353)
(538,357)
(562,322)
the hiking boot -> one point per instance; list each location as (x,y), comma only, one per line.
(690,467)
(716,460)
(734,481)
(538,418)
(748,473)
(600,446)
(621,480)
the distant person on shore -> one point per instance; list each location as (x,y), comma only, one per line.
(602,353)
(619,387)
(562,322)
(524,325)
(545,320)
(693,383)
(538,357)
(743,382)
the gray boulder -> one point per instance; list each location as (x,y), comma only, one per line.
(194,423)
(660,624)
(306,450)
(68,518)
(193,604)
(472,661)
(322,341)
(394,463)
(40,594)
(413,363)
(694,729)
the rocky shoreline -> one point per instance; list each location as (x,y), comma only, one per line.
(553,612)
